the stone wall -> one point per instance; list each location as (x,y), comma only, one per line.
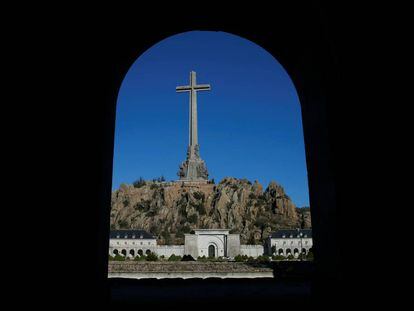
(168,250)
(233,245)
(190,245)
(251,250)
(186,266)
(185,270)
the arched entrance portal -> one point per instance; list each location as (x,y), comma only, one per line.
(211,251)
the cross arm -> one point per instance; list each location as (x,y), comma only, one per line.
(183,88)
(203,87)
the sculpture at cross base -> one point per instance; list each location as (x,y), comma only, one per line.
(193,168)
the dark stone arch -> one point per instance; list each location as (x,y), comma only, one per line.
(280,251)
(148,251)
(295,251)
(312,71)
(115,252)
(288,251)
(124,252)
(132,252)
(140,252)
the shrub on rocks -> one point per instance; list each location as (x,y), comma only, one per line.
(309,256)
(263,258)
(173,257)
(241,258)
(139,183)
(140,258)
(187,258)
(117,258)
(152,257)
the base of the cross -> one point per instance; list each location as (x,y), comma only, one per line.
(189,183)
(193,168)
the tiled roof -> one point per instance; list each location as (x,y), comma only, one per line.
(130,234)
(286,233)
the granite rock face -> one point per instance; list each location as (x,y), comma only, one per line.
(171,209)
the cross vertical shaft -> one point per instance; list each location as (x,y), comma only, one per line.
(193,168)
(193,88)
(193,109)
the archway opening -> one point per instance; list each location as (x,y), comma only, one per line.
(211,251)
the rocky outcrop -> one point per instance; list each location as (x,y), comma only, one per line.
(171,209)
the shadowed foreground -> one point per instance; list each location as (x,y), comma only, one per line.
(291,288)
(209,291)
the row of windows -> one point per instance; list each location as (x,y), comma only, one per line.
(298,236)
(292,242)
(126,236)
(133,242)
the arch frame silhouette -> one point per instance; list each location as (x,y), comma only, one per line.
(307,57)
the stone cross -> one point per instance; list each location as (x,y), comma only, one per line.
(193,88)
(193,168)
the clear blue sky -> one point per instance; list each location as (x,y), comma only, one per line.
(249,123)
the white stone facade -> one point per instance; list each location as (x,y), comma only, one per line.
(212,243)
(289,242)
(129,243)
(131,247)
